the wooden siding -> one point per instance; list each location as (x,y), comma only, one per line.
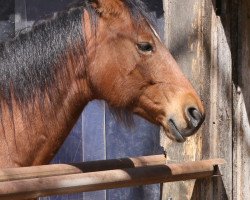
(241,137)
(211,41)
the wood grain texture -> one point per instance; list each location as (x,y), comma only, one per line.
(241,139)
(200,41)
(91,181)
(183,39)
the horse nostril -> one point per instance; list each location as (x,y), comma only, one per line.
(194,116)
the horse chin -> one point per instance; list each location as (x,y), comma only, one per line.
(173,133)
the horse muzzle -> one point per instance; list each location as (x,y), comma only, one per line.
(194,120)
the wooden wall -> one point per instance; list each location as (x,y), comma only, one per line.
(241,140)
(211,41)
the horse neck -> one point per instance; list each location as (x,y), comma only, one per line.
(33,134)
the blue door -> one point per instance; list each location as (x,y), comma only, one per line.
(97,135)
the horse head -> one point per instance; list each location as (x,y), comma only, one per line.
(130,68)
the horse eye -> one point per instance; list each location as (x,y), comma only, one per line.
(145,47)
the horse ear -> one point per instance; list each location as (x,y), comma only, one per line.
(108,8)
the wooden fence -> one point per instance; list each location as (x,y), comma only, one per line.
(33,182)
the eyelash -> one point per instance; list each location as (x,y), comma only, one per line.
(145,47)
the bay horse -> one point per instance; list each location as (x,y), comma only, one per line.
(98,49)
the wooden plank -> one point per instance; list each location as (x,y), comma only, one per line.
(33,188)
(224,101)
(184,39)
(200,41)
(93,131)
(93,134)
(241,163)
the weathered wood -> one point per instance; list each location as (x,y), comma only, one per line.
(36,187)
(200,41)
(221,94)
(92,166)
(184,38)
(241,140)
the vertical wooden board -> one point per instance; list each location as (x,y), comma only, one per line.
(241,173)
(93,134)
(199,40)
(217,140)
(93,131)
(221,115)
(183,38)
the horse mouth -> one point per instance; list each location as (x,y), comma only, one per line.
(175,133)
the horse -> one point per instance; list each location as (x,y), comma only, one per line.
(96,49)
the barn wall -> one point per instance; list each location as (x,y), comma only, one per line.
(220,33)
(198,35)
(241,170)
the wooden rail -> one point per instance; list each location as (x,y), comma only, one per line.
(32,182)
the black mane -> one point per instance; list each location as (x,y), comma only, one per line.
(31,61)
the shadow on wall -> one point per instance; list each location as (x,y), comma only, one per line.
(156,7)
(201,184)
(7,7)
(215,184)
(237,31)
(41,5)
(7,26)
